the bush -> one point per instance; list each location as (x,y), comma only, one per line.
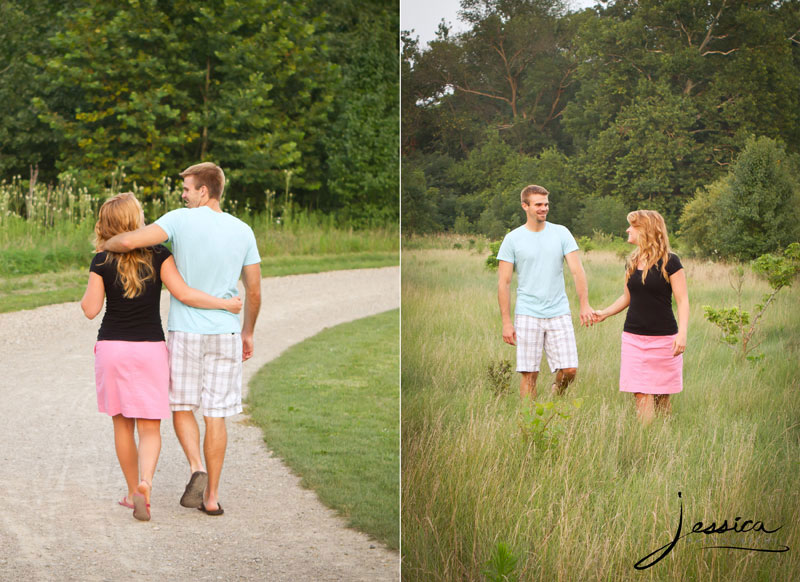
(752,211)
(491,260)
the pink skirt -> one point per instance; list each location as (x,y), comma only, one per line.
(648,366)
(132,379)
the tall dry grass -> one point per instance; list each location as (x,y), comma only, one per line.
(607,495)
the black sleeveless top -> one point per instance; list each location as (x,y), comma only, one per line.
(131,320)
(650,310)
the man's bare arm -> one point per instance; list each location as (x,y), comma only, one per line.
(581,286)
(505,271)
(147,236)
(251,279)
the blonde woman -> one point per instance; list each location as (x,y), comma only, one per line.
(652,341)
(131,363)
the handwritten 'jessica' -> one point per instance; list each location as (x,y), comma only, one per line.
(745,526)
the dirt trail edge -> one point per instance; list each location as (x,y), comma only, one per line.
(60,481)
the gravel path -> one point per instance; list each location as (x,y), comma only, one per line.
(60,480)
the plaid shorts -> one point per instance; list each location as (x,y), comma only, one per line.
(553,334)
(205,371)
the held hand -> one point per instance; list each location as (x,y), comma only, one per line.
(509,335)
(679,344)
(233,304)
(587,318)
(598,316)
(247,346)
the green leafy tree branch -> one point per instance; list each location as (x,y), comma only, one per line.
(736,324)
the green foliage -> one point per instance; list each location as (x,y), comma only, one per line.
(536,423)
(501,565)
(641,158)
(491,261)
(499,375)
(646,102)
(585,243)
(734,322)
(152,87)
(760,212)
(605,215)
(26,140)
(360,145)
(699,219)
(250,96)
(418,200)
(753,210)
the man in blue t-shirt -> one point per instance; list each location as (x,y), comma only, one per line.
(206,347)
(542,320)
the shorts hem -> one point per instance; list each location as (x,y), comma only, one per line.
(182,407)
(216,413)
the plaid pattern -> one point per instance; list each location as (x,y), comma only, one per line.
(554,335)
(205,372)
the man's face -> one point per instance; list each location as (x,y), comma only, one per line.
(537,207)
(192,195)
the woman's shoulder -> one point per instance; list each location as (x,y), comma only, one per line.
(160,250)
(673,263)
(99,259)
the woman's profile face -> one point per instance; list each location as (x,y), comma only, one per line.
(633,234)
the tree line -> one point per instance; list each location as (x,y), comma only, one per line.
(631,104)
(299,95)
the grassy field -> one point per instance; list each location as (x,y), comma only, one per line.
(606,495)
(329,407)
(40,265)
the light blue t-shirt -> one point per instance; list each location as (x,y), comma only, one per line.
(210,250)
(539,260)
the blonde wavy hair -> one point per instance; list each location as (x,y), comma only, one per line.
(652,245)
(123,213)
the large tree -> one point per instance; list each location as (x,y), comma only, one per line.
(246,84)
(510,70)
(669,89)
(360,144)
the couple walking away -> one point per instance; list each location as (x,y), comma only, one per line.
(652,341)
(139,377)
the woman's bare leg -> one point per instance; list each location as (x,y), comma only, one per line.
(149,449)
(644,407)
(125,445)
(663,404)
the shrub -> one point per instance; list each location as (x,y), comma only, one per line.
(754,210)
(736,324)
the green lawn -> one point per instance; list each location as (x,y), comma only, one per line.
(329,407)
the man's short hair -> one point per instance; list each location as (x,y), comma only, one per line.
(209,175)
(529,191)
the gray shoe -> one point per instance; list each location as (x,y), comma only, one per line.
(193,494)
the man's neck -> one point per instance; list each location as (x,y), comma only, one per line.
(535,225)
(213,204)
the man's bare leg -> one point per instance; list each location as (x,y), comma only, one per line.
(214,444)
(527,384)
(188,434)
(564,377)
